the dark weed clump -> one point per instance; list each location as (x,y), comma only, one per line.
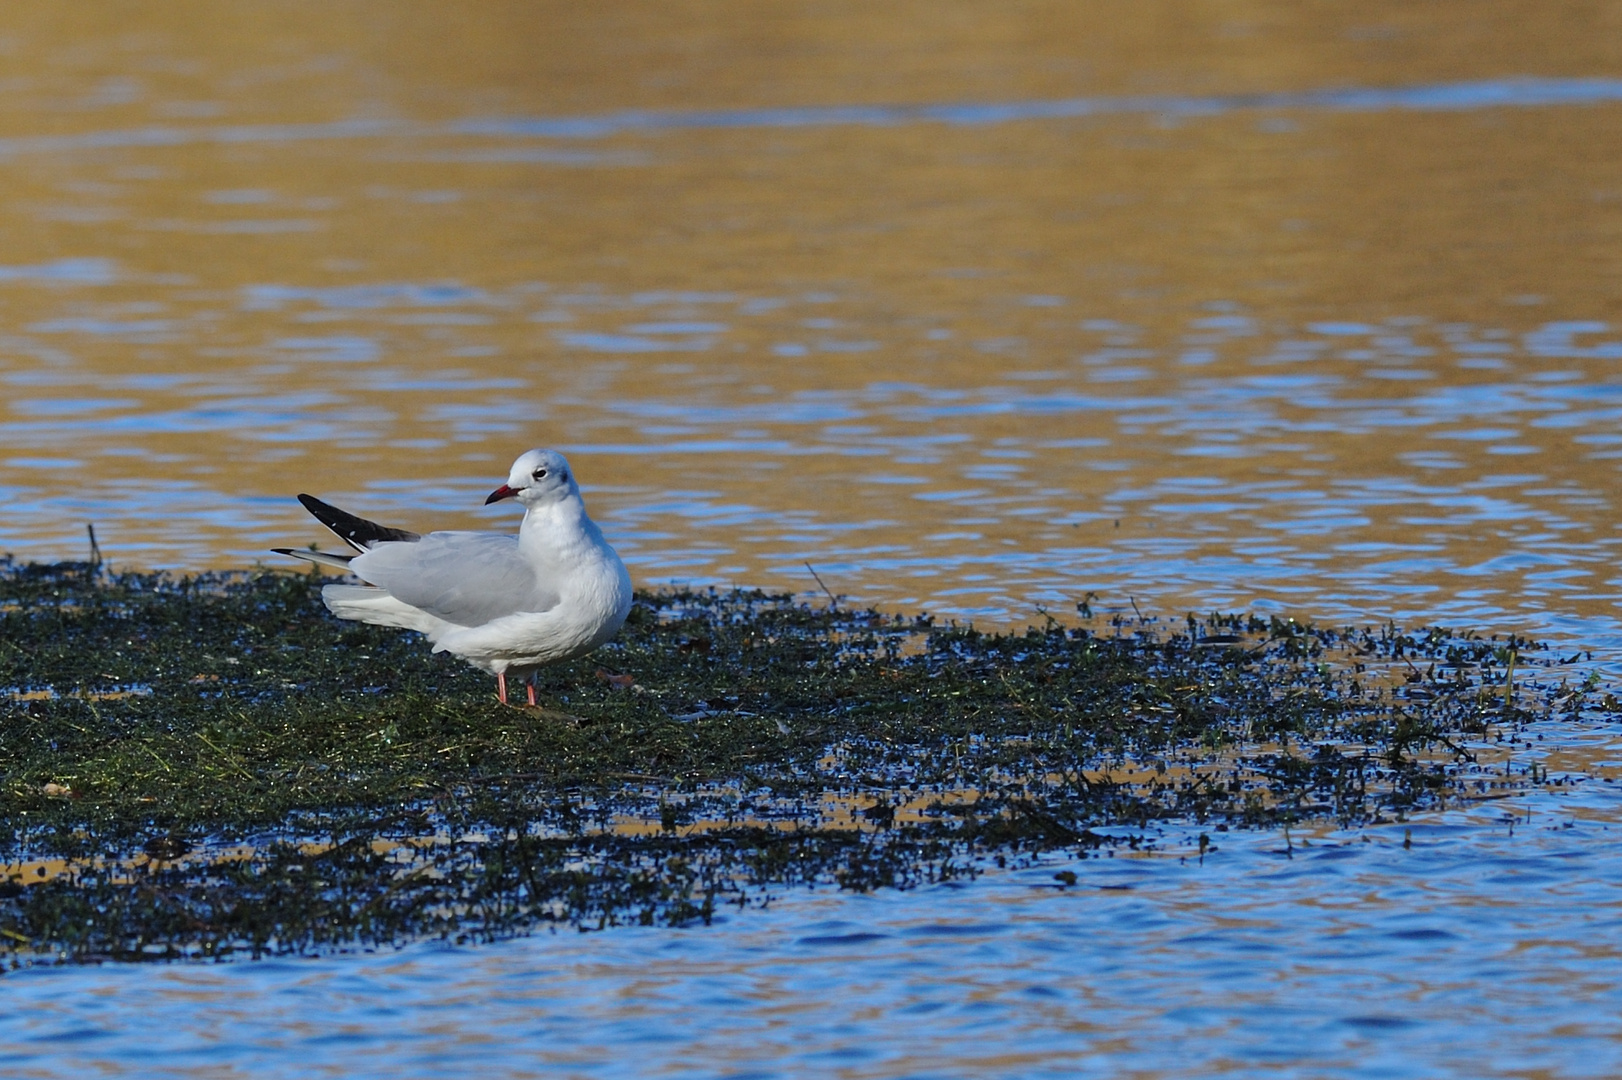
(213,765)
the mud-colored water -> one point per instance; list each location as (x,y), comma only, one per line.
(974,307)
(1225,329)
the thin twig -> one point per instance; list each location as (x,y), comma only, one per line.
(833,600)
(1509,681)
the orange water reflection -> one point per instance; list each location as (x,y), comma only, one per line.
(1349,364)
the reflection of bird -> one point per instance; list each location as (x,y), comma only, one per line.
(504,603)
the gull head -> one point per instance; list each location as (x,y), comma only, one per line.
(537,478)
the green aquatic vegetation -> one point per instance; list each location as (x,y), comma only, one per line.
(214,766)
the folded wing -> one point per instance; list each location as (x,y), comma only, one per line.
(466,578)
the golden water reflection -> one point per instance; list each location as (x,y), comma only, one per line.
(1343,363)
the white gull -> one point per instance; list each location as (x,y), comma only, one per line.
(504,603)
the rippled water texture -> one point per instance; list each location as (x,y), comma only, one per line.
(1265,310)
(1485,949)
(975,307)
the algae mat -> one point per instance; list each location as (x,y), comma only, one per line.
(214,766)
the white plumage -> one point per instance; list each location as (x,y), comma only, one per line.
(507,604)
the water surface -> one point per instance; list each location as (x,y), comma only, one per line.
(1476,944)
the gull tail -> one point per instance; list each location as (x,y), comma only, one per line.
(320,558)
(366,603)
(357,532)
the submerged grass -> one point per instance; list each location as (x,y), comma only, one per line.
(215,766)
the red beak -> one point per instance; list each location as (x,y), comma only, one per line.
(502,492)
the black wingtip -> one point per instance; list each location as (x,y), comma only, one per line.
(320,558)
(357,532)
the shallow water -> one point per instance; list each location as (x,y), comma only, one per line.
(974,308)
(1489,947)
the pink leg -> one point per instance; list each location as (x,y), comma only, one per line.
(532,691)
(501,686)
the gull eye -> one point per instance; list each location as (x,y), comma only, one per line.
(539,474)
